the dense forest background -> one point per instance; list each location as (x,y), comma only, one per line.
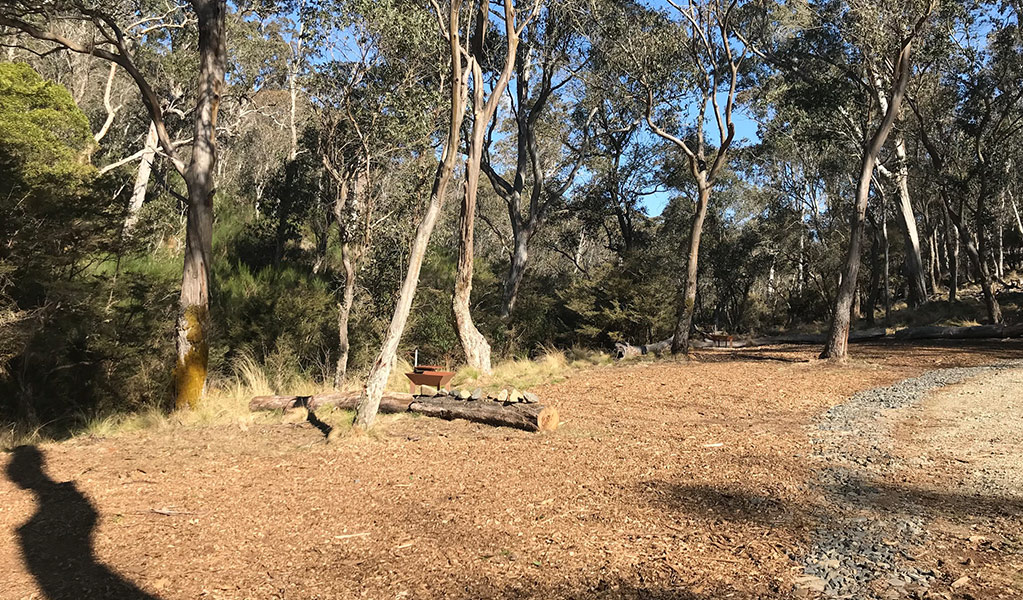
(621,135)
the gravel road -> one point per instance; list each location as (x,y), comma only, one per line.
(859,551)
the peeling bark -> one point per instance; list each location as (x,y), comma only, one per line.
(138,192)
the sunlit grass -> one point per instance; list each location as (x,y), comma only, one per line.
(553,366)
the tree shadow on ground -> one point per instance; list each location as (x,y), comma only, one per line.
(950,504)
(880,349)
(56,543)
(603,588)
(728,504)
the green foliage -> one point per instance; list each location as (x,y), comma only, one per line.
(272,312)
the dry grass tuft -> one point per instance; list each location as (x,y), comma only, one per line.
(553,366)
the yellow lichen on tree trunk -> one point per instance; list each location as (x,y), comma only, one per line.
(190,371)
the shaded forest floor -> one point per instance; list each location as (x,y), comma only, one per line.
(698,480)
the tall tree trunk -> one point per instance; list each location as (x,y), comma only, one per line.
(952,241)
(516,270)
(344,310)
(138,192)
(801,272)
(474,344)
(994,311)
(980,254)
(366,411)
(1000,271)
(1015,212)
(837,346)
(294,65)
(680,341)
(875,275)
(193,310)
(887,266)
(914,268)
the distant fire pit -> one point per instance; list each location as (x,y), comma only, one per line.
(428,375)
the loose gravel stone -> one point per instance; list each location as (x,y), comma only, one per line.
(859,546)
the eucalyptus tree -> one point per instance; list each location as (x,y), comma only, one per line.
(484,108)
(551,53)
(684,67)
(34,18)
(376,101)
(456,83)
(877,21)
(968,125)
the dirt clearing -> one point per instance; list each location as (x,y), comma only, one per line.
(691,480)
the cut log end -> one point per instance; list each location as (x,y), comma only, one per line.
(548,419)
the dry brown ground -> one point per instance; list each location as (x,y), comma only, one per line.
(961,449)
(666,480)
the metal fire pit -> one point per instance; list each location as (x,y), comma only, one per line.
(428,375)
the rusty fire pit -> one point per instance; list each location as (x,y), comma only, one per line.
(428,375)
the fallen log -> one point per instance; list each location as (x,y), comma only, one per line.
(627,350)
(977,332)
(519,415)
(530,417)
(623,350)
(391,402)
(810,338)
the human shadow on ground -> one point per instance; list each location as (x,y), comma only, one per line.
(315,421)
(56,543)
(311,417)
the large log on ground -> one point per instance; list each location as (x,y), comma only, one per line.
(392,402)
(810,338)
(978,332)
(530,417)
(627,350)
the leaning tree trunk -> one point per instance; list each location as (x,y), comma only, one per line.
(193,310)
(366,411)
(680,341)
(138,192)
(837,346)
(376,381)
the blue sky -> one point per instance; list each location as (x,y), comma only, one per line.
(745,133)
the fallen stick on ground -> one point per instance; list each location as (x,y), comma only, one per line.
(626,350)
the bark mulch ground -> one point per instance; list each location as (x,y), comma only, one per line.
(666,479)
